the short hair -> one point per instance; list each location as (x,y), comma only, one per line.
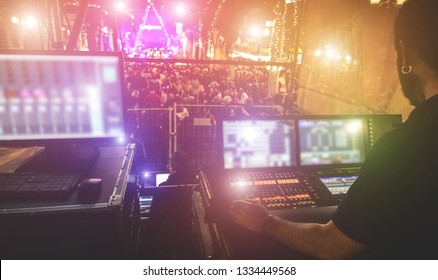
(416,25)
(181,160)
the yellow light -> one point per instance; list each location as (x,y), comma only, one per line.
(15,20)
(330,53)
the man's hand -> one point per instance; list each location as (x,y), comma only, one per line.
(250,215)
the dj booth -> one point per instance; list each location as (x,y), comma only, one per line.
(299,167)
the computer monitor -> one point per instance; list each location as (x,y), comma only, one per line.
(331,140)
(57,96)
(257,143)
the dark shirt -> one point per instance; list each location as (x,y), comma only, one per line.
(392,208)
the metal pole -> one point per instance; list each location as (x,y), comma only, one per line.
(175,129)
(115,32)
(170,133)
(50,34)
(80,17)
(57,25)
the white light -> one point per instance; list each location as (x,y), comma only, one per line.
(373,2)
(354,126)
(330,53)
(30,21)
(15,20)
(250,134)
(270,23)
(318,52)
(121,140)
(348,58)
(255,31)
(180,9)
(146,174)
(105,29)
(266,32)
(121,6)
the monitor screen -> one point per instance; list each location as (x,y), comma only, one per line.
(52,96)
(338,185)
(258,143)
(160,178)
(331,141)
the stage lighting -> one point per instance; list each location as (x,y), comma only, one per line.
(30,21)
(180,9)
(15,20)
(121,6)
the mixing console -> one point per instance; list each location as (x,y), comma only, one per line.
(276,190)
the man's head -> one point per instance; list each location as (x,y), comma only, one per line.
(180,161)
(416,42)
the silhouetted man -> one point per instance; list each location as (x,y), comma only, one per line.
(391,211)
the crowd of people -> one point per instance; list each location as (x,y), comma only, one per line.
(157,85)
(236,90)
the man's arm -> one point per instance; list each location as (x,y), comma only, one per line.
(324,241)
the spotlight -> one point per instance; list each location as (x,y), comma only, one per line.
(330,53)
(121,6)
(318,52)
(15,20)
(354,126)
(180,9)
(30,21)
(255,31)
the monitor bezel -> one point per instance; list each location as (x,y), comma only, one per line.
(220,143)
(77,141)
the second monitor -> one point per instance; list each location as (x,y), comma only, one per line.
(331,141)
